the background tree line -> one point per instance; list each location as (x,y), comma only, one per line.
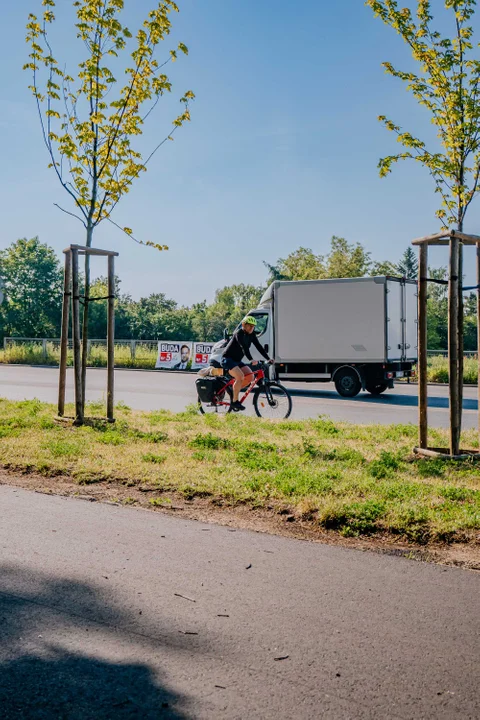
(33,284)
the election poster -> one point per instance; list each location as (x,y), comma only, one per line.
(174,355)
(201,354)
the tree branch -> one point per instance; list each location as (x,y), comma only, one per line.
(67,212)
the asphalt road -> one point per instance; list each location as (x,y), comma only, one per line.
(112,612)
(153,390)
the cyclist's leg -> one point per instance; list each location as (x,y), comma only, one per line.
(247,375)
(237,374)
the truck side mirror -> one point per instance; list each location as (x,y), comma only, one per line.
(226,334)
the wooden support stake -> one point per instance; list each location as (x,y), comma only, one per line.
(67,278)
(460,339)
(77,363)
(111,338)
(478,334)
(453,345)
(422,347)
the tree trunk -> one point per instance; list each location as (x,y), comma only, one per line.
(85,316)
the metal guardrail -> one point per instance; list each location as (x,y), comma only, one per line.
(444,353)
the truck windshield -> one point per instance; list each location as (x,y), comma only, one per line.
(262,323)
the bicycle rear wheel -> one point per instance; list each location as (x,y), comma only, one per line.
(272,401)
(221,404)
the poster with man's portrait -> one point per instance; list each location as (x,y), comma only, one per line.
(201,355)
(174,355)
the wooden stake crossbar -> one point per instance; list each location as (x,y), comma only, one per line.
(71,291)
(443,238)
(455,240)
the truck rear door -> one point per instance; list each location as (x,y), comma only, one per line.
(395,321)
(411,324)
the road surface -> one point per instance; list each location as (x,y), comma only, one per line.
(153,390)
(112,612)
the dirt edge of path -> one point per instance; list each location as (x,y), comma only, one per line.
(245,517)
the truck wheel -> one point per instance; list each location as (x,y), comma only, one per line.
(347,382)
(376,388)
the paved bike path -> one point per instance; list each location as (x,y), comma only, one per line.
(111,612)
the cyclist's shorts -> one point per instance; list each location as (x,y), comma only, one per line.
(229,364)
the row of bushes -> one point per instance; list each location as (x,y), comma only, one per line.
(438,370)
(145,358)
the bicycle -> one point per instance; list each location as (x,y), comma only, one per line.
(270,399)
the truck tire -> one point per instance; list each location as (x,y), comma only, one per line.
(376,388)
(347,382)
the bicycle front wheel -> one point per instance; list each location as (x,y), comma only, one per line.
(272,401)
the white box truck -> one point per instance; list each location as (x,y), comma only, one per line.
(359,332)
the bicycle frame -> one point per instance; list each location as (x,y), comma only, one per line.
(258,376)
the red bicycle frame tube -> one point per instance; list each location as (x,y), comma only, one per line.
(257,376)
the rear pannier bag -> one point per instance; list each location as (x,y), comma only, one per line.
(208,386)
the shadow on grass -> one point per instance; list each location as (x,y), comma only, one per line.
(67,652)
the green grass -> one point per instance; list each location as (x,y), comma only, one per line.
(354,480)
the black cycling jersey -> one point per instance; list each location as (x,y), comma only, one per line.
(239,346)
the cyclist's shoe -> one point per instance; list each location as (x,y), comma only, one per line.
(237,406)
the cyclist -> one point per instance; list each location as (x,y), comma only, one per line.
(237,348)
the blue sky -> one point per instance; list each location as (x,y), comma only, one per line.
(281,151)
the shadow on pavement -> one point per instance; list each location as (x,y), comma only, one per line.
(66,652)
(388,398)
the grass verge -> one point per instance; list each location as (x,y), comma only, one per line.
(349,479)
(33,353)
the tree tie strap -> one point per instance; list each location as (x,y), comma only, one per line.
(434,280)
(83,299)
(445,282)
(473,287)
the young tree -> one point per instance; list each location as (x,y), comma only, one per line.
(90,123)
(32,279)
(448,86)
(408,265)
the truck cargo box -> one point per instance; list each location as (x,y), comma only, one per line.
(352,320)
